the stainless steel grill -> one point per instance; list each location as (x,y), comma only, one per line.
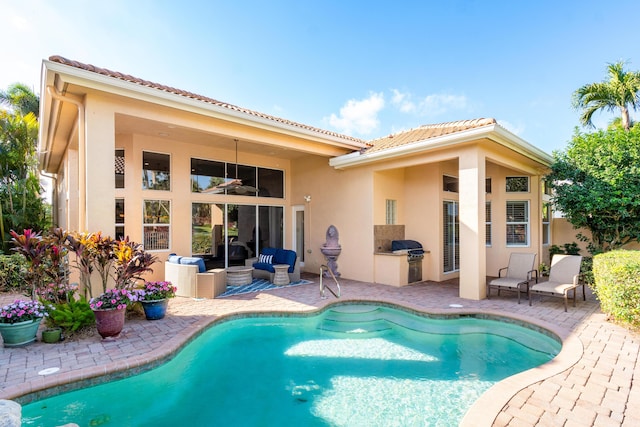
(415,254)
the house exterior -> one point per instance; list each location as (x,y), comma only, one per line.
(187,174)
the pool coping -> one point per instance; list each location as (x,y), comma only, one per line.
(483,412)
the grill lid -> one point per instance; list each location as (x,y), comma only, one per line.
(410,247)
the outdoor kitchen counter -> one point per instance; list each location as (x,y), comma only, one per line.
(391,268)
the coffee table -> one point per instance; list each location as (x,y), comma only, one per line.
(239,275)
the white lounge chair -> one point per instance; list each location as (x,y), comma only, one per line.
(517,275)
(564,276)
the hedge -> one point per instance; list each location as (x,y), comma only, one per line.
(617,285)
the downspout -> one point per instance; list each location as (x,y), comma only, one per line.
(82,161)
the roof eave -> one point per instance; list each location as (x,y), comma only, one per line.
(493,132)
(126,88)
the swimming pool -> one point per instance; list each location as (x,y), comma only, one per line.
(348,365)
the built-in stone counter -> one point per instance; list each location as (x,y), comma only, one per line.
(392,269)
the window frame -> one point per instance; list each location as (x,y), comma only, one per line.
(153,172)
(391,217)
(488,226)
(116,166)
(527,178)
(119,224)
(454,181)
(526,224)
(546,223)
(166,225)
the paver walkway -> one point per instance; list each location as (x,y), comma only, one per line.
(598,390)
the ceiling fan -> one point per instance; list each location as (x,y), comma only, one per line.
(234,185)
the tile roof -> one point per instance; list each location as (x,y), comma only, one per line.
(141,82)
(425,132)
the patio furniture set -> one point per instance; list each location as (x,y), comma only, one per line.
(192,279)
(519,276)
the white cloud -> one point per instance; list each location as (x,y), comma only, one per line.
(401,100)
(360,116)
(430,105)
(513,128)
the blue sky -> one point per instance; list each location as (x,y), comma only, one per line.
(364,68)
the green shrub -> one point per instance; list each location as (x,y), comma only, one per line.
(617,285)
(72,315)
(13,270)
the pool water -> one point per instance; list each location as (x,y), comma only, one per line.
(351,365)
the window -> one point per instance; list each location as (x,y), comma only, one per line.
(206,176)
(119,168)
(213,177)
(156,171)
(517,184)
(487,185)
(518,223)
(487,225)
(546,223)
(450,183)
(546,189)
(228,234)
(391,212)
(156,220)
(451,237)
(270,183)
(119,219)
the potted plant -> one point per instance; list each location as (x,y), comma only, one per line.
(154,297)
(109,309)
(131,263)
(19,322)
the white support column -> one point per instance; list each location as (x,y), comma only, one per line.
(472,175)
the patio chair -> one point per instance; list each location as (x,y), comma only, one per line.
(517,275)
(564,276)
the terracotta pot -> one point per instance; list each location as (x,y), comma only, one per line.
(109,322)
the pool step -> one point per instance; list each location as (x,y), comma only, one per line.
(360,327)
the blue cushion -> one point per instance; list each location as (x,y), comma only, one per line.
(173,258)
(284,256)
(269,251)
(194,261)
(264,266)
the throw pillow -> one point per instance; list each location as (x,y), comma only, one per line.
(267,259)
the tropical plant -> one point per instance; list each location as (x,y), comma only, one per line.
(117,299)
(71,315)
(153,291)
(21,311)
(20,99)
(34,249)
(20,203)
(596,182)
(132,261)
(13,272)
(619,92)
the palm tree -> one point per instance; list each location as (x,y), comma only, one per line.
(21,99)
(619,92)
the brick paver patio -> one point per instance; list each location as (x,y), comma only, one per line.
(590,383)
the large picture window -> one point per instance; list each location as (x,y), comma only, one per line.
(214,177)
(156,171)
(156,224)
(228,234)
(206,176)
(518,223)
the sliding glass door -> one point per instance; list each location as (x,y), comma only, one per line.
(228,234)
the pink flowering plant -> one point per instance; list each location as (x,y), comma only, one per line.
(21,311)
(154,291)
(117,299)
